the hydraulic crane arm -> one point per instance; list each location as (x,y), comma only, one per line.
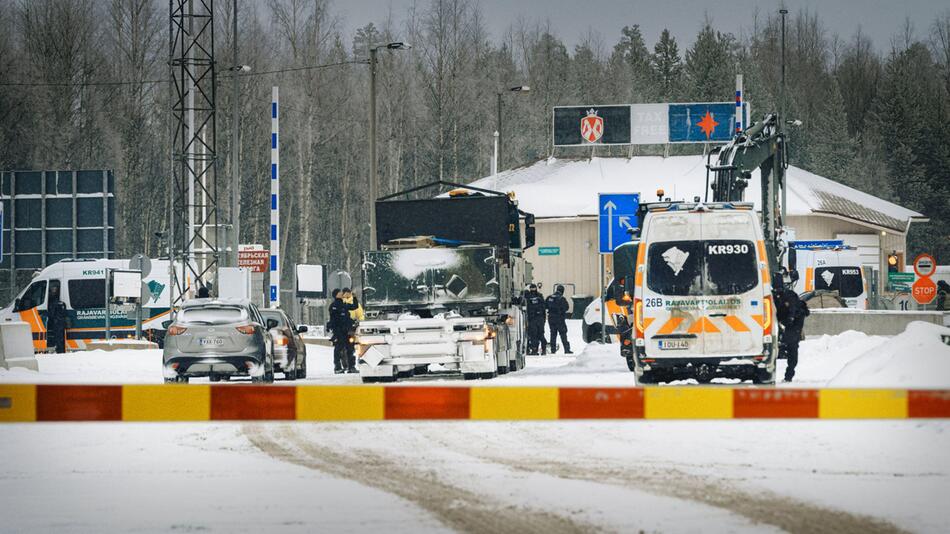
(761,146)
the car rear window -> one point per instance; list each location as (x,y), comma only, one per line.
(711,267)
(279,317)
(212,315)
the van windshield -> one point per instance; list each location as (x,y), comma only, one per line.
(711,267)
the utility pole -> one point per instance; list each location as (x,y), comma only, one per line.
(235,145)
(373,182)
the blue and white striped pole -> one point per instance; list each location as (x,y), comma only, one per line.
(739,121)
(274,204)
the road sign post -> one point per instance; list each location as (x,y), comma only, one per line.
(924,289)
(617,218)
(616,222)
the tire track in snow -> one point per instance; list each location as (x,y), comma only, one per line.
(457,508)
(786,513)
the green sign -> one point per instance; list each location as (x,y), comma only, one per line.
(900,282)
(549,251)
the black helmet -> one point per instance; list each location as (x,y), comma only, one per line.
(559,289)
(532,287)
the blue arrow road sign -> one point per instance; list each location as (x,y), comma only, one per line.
(617,215)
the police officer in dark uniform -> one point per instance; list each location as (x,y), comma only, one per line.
(791,312)
(340,326)
(557,318)
(56,321)
(534,308)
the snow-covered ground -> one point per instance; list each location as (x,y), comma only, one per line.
(669,476)
(916,358)
(565,476)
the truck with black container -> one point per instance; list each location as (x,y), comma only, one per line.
(442,290)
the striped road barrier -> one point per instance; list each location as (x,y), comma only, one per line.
(180,402)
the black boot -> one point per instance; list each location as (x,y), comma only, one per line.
(567,349)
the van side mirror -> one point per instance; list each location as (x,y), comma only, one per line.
(302,329)
(271,323)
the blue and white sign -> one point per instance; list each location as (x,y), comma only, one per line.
(617,216)
(702,123)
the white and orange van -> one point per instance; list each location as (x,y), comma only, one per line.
(81,285)
(703,295)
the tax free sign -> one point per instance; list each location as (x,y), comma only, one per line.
(646,124)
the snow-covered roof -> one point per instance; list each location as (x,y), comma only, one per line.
(568,188)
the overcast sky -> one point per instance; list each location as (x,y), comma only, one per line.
(571,19)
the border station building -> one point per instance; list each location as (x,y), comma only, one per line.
(562,194)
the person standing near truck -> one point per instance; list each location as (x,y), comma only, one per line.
(534,306)
(557,307)
(340,326)
(356,315)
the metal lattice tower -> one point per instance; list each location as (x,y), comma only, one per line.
(193,203)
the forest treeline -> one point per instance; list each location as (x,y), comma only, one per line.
(875,113)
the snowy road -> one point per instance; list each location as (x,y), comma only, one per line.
(671,476)
(821,360)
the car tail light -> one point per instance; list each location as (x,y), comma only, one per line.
(282,340)
(767,316)
(638,316)
(246,329)
(176,330)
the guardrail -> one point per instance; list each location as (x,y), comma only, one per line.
(834,321)
(179,402)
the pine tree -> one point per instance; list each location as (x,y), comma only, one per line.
(710,66)
(667,67)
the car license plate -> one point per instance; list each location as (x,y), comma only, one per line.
(211,342)
(674,344)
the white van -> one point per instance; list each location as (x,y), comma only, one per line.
(82,289)
(703,296)
(829,266)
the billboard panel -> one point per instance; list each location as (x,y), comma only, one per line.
(591,125)
(54,215)
(646,124)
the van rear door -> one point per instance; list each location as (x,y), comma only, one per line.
(673,284)
(732,289)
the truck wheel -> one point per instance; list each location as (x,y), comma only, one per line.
(290,376)
(302,369)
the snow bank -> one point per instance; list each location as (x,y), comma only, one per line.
(131,366)
(915,359)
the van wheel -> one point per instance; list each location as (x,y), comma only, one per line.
(647,378)
(764,377)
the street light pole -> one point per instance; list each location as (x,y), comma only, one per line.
(782,119)
(372,147)
(518,89)
(373,181)
(235,147)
